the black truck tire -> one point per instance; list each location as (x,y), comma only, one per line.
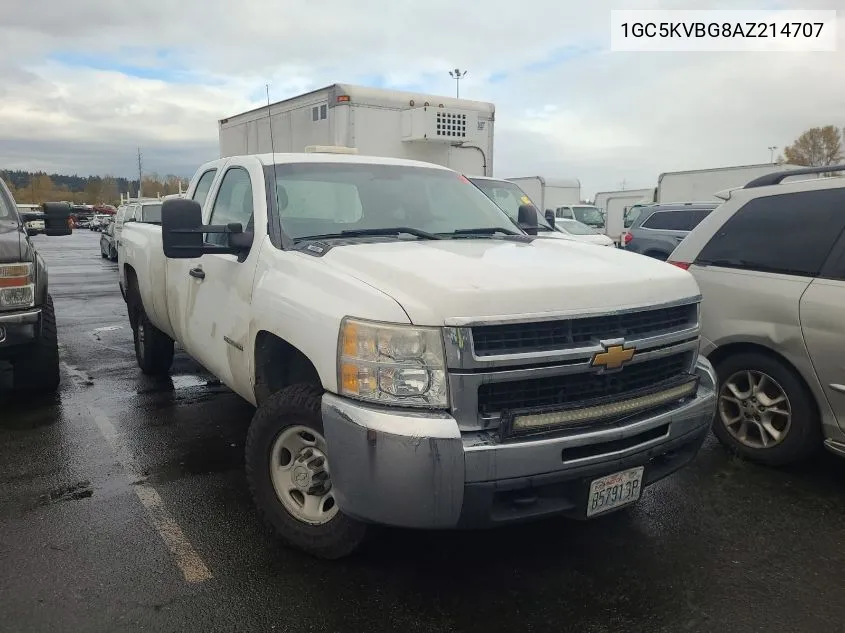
(36,370)
(294,406)
(153,348)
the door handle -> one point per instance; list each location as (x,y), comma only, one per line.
(197,272)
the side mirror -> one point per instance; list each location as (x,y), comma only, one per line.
(182,232)
(57,219)
(550,217)
(527,218)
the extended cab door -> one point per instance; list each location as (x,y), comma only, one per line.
(217,313)
(823,326)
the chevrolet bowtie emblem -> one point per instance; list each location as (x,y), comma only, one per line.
(613,356)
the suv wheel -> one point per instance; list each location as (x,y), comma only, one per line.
(288,469)
(37,369)
(765,411)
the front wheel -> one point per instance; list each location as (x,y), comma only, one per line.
(37,369)
(765,411)
(288,469)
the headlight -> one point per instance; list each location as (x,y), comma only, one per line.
(392,364)
(17,288)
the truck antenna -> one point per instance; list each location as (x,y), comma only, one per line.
(273,152)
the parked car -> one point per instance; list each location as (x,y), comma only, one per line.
(582,232)
(108,247)
(770,263)
(28,340)
(416,360)
(659,228)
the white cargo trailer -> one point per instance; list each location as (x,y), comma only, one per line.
(550,193)
(614,203)
(455,133)
(701,185)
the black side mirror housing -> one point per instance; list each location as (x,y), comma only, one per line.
(527,218)
(550,217)
(182,232)
(56,218)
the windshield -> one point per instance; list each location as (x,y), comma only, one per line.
(588,215)
(317,199)
(151,213)
(576,228)
(508,197)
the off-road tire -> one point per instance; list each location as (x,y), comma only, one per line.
(294,405)
(36,369)
(804,437)
(153,348)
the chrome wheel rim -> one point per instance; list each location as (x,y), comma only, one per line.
(299,470)
(754,409)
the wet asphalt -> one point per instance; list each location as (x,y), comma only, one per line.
(721,546)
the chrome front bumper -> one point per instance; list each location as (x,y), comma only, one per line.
(418,470)
(18,327)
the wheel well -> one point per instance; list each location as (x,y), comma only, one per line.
(131,294)
(279,364)
(732,349)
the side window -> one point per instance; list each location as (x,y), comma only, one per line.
(678,220)
(563,212)
(203,187)
(791,233)
(233,203)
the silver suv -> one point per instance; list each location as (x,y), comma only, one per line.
(770,262)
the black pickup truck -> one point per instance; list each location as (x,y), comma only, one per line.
(28,339)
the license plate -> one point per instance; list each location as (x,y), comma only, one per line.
(614,490)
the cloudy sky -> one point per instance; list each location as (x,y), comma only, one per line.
(85,82)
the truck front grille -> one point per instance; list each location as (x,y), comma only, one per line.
(571,389)
(519,338)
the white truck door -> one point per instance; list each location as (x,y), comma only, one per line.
(217,307)
(178,281)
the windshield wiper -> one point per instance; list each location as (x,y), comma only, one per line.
(424,235)
(483,231)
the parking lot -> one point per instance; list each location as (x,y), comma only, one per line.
(124,506)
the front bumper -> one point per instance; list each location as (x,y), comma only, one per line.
(418,470)
(18,328)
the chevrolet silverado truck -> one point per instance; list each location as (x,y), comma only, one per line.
(28,341)
(412,361)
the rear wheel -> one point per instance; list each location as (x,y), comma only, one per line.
(37,369)
(153,348)
(287,466)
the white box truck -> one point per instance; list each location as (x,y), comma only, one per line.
(701,185)
(614,203)
(454,133)
(550,193)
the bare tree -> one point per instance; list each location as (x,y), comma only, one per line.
(817,147)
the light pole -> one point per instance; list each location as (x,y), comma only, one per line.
(772,149)
(457,75)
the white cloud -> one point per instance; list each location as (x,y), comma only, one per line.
(600,116)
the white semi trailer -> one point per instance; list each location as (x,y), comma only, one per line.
(701,185)
(550,193)
(455,133)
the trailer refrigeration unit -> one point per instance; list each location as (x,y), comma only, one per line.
(455,133)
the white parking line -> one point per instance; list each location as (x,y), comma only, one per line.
(187,559)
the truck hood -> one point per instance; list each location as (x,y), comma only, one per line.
(10,241)
(452,281)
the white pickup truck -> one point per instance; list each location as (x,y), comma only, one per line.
(412,361)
